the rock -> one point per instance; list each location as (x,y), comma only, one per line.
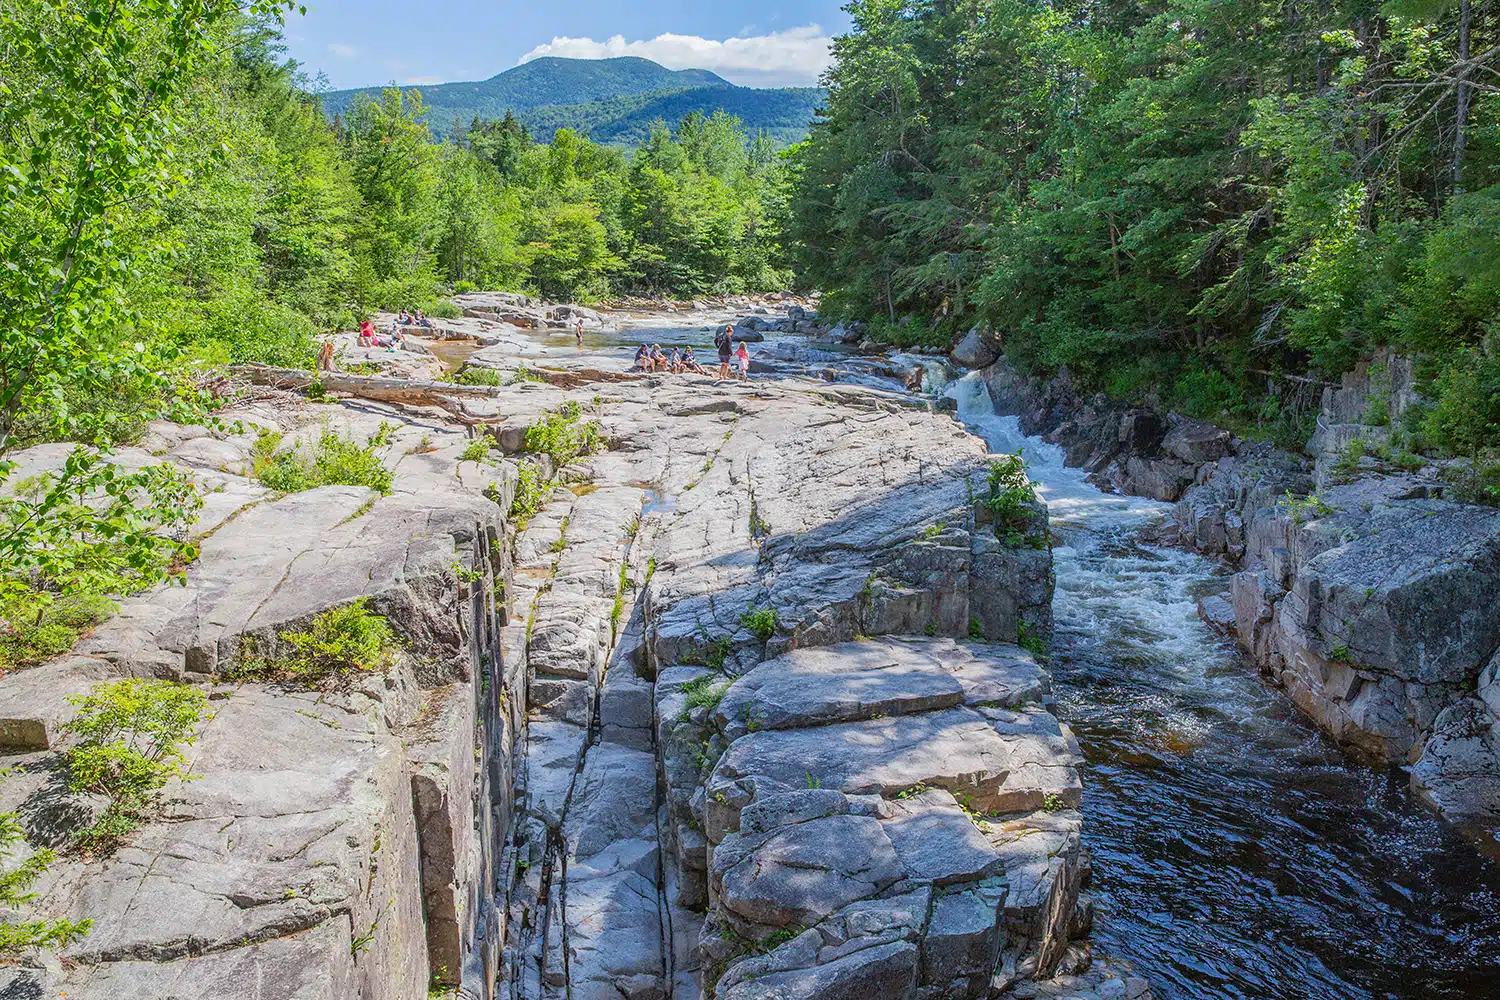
(797,875)
(885,971)
(936,841)
(1196,442)
(964,934)
(790,808)
(976,350)
(1458,774)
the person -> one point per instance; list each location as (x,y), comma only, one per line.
(421,320)
(676,362)
(743,357)
(403,317)
(643,358)
(366,334)
(578,332)
(658,358)
(690,363)
(325,357)
(723,341)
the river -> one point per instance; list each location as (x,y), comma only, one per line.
(1237,852)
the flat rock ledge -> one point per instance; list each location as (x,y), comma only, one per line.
(738,713)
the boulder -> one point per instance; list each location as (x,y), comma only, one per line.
(976,350)
(1196,442)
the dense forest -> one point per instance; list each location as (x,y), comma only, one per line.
(1192,198)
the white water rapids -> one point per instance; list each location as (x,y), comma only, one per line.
(1237,852)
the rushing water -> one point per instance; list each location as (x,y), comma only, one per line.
(1237,853)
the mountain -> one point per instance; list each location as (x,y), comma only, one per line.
(627,120)
(611,100)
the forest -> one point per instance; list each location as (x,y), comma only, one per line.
(1197,201)
(263,220)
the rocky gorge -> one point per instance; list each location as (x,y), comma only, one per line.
(745,701)
(1360,587)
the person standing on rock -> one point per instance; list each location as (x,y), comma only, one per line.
(578,332)
(723,340)
(742,355)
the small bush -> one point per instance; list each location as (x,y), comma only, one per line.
(460,287)
(562,434)
(760,622)
(1011,499)
(1300,509)
(524,374)
(479,375)
(710,653)
(344,640)
(477,450)
(702,692)
(443,309)
(335,462)
(1031,642)
(36,626)
(129,736)
(532,491)
(17,936)
(1474,482)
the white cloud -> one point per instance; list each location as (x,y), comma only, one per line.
(791,58)
(342,50)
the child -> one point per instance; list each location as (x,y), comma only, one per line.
(743,357)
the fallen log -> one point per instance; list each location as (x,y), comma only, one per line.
(412,392)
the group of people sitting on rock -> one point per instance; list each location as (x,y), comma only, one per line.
(414,318)
(651,358)
(370,337)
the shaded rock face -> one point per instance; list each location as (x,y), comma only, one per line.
(329,843)
(1376,605)
(709,723)
(976,350)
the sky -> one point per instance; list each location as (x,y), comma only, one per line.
(754,43)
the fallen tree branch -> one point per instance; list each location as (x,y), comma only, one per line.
(418,392)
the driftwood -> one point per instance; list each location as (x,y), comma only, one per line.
(448,396)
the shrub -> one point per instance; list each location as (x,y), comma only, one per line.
(479,375)
(128,739)
(702,692)
(532,491)
(1011,499)
(35,625)
(562,434)
(443,309)
(760,622)
(460,287)
(1031,642)
(524,374)
(343,640)
(335,462)
(1300,508)
(17,936)
(477,450)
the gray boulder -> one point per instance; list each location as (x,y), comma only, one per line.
(976,350)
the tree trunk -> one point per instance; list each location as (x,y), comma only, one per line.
(1460,136)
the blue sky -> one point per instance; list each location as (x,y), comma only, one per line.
(368,42)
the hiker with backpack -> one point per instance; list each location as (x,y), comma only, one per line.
(724,341)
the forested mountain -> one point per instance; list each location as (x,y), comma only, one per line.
(1197,199)
(613,101)
(783,114)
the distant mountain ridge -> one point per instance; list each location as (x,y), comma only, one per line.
(613,101)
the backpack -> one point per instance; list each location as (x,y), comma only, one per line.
(721,341)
